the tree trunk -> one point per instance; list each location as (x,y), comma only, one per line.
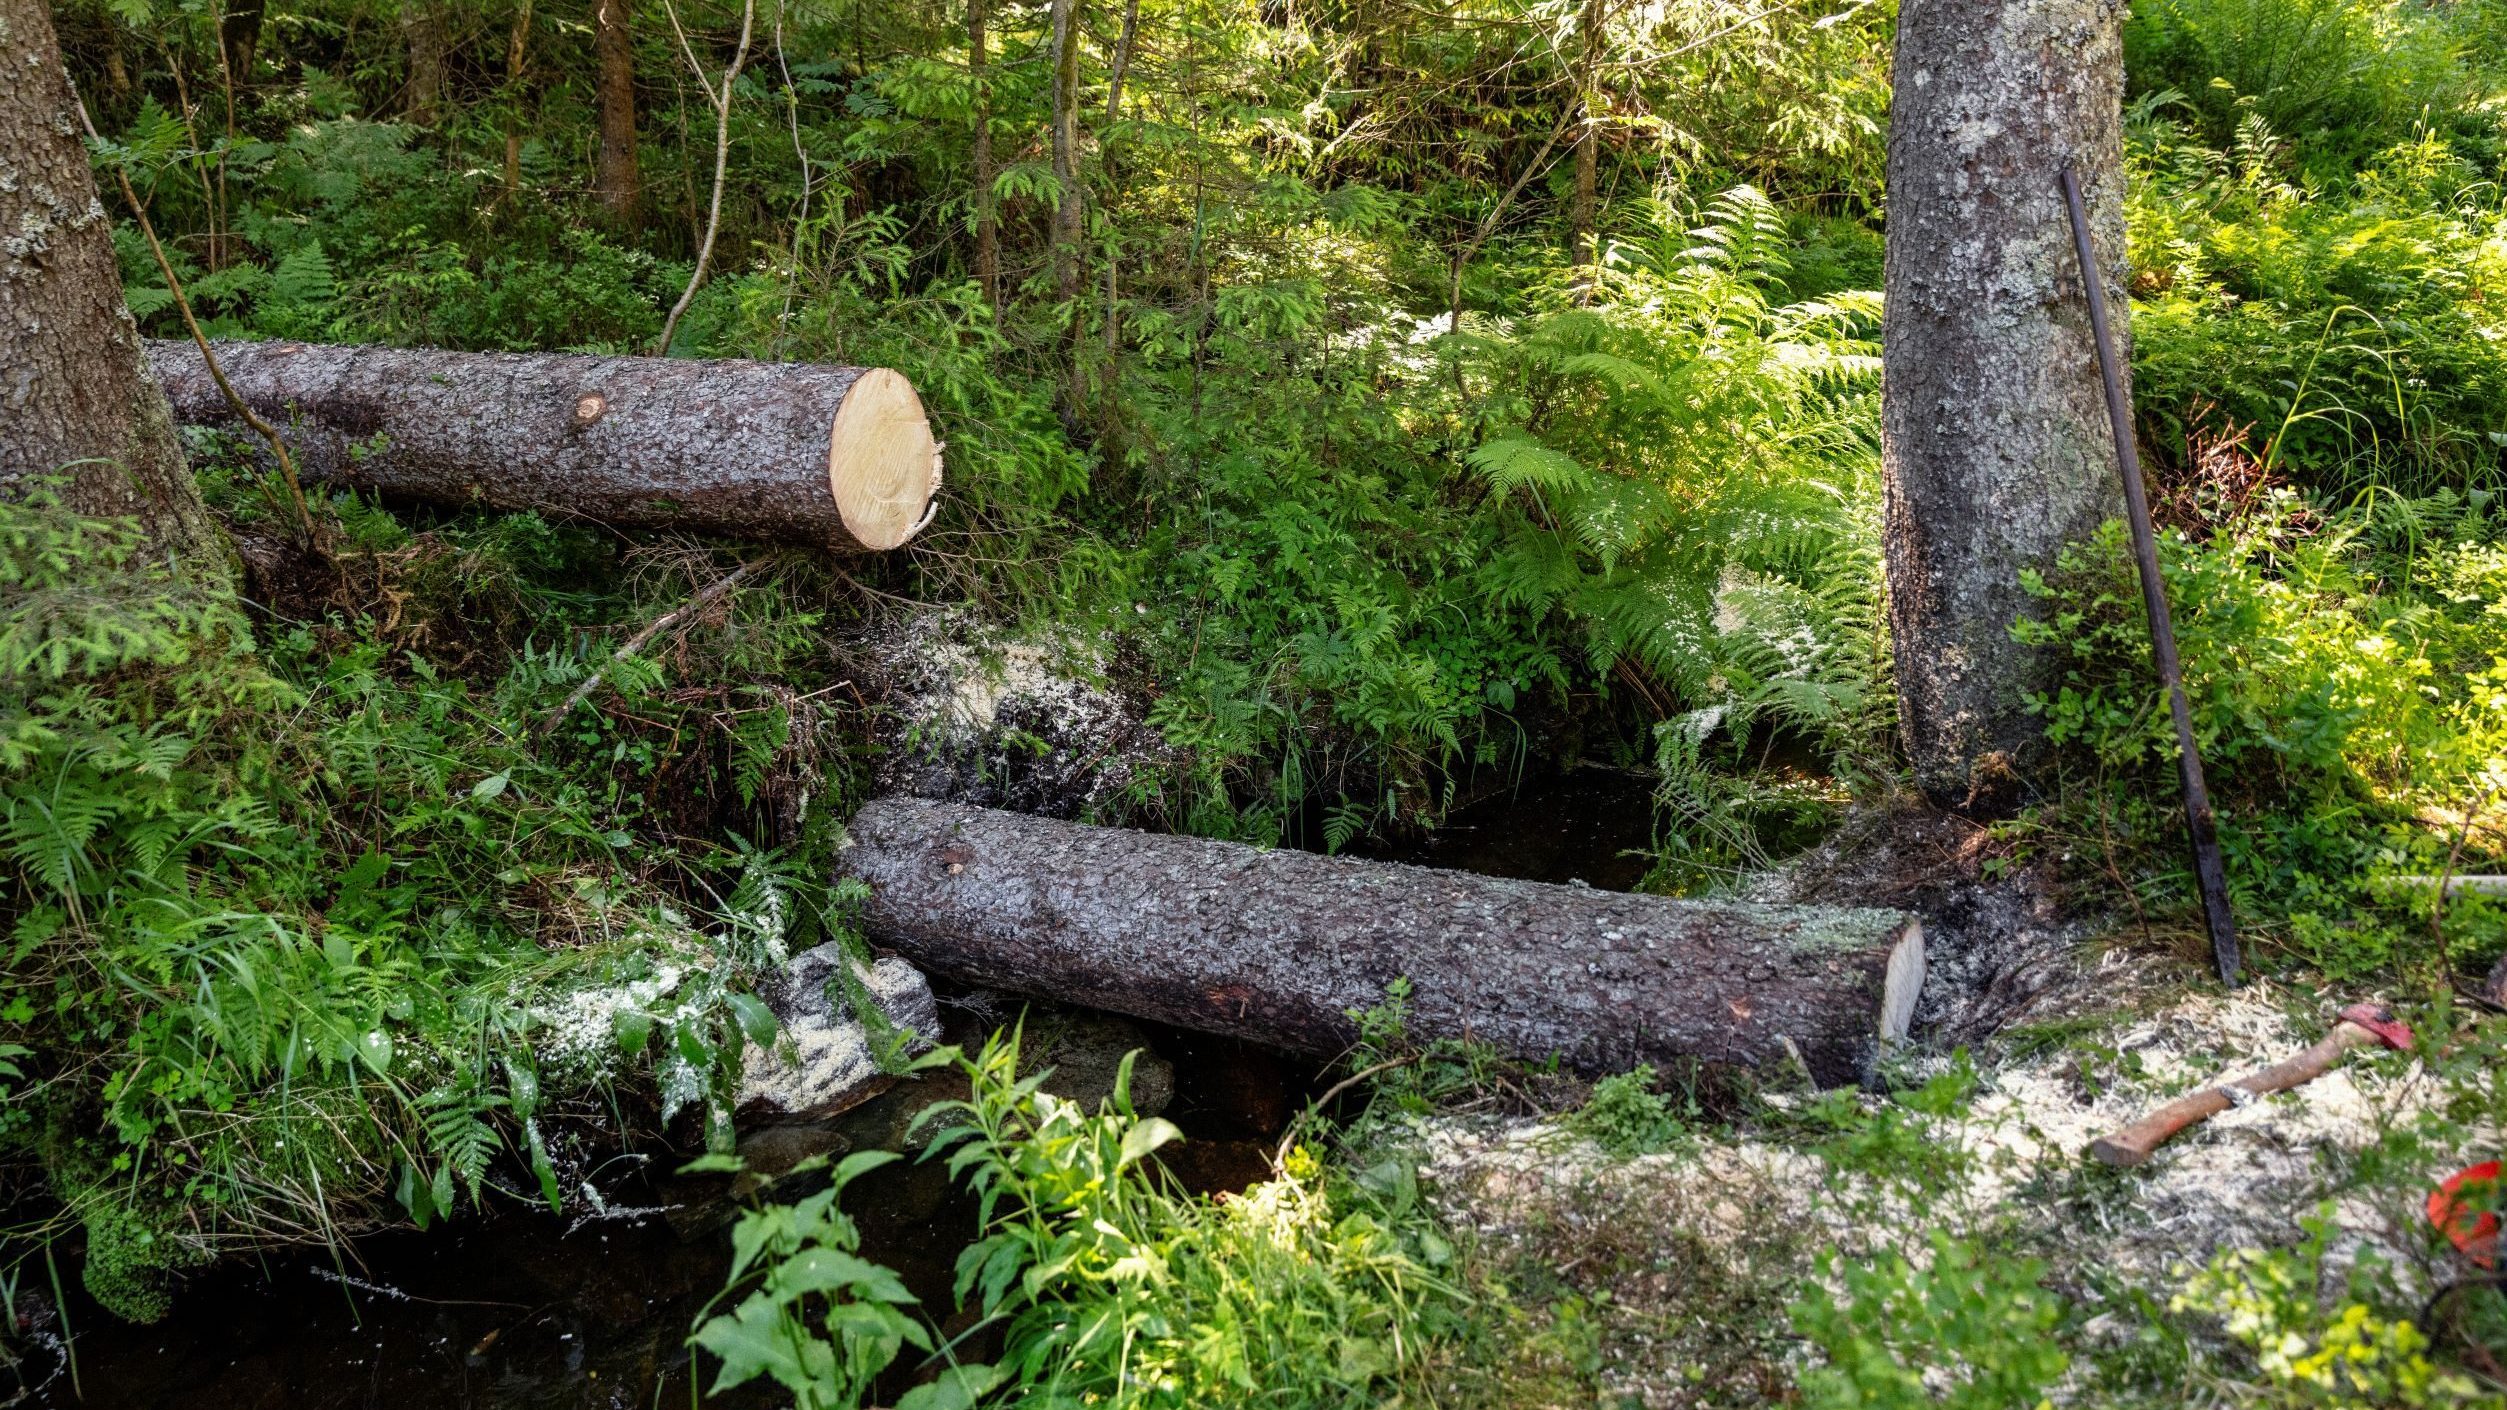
(615,175)
(517,51)
(75,394)
(1581,246)
(1113,178)
(423,29)
(987,223)
(1069,215)
(1281,947)
(1995,437)
(239,33)
(837,457)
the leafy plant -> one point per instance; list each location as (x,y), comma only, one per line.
(1978,1321)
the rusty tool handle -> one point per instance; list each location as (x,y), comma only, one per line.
(2210,877)
(2134,1144)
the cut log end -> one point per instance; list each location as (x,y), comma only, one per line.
(883,467)
(1901,984)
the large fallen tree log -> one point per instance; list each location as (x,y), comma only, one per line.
(789,452)
(1281,947)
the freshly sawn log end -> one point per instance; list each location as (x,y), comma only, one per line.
(840,458)
(883,466)
(1286,948)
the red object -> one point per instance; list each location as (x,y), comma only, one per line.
(2464,1209)
(2380,1020)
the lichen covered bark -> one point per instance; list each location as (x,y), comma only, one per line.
(75,395)
(1997,450)
(1283,947)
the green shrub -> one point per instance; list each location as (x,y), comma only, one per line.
(2347,675)
(1109,1287)
(1978,1321)
(2351,75)
(1626,1116)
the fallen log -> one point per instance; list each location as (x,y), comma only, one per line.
(839,457)
(1281,947)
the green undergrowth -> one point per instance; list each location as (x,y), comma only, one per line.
(2347,672)
(1094,1281)
(321,923)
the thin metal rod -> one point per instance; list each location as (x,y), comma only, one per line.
(2210,878)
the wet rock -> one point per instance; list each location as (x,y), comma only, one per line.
(1037,724)
(1086,1051)
(828,1059)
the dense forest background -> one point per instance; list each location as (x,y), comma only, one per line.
(1396,400)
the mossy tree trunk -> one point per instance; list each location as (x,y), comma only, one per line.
(1995,436)
(76,396)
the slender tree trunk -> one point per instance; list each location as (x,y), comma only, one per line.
(616,177)
(117,73)
(1069,215)
(422,29)
(1114,114)
(1581,245)
(517,51)
(987,221)
(75,396)
(1995,437)
(239,35)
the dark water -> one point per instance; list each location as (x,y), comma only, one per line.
(1593,825)
(521,1310)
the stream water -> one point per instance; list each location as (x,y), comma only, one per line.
(520,1310)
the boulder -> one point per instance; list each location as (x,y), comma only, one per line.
(828,1058)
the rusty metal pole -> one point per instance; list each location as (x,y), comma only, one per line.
(2210,878)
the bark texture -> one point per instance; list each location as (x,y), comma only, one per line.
(1995,436)
(1069,214)
(1582,248)
(728,447)
(423,29)
(75,394)
(1280,947)
(615,174)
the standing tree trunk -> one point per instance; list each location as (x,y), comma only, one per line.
(1581,246)
(615,175)
(1068,215)
(423,30)
(1995,440)
(75,395)
(517,50)
(987,223)
(1113,175)
(239,35)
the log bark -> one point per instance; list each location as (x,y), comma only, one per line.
(837,457)
(1281,947)
(76,399)
(1995,443)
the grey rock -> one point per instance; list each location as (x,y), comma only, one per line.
(827,1058)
